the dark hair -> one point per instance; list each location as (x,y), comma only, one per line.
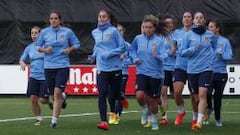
(199,12)
(203,13)
(161,26)
(124,29)
(204,16)
(113,20)
(166,16)
(182,17)
(217,24)
(188,12)
(170,16)
(58,14)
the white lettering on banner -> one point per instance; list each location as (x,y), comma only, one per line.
(87,78)
(76,77)
(82,80)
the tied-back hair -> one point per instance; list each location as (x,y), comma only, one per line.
(217,23)
(188,11)
(204,16)
(123,28)
(112,19)
(151,18)
(58,14)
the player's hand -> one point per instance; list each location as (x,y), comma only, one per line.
(67,51)
(138,62)
(23,66)
(48,50)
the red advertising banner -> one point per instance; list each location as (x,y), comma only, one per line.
(82,81)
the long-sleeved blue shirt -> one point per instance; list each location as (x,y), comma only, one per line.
(36,60)
(199,51)
(181,62)
(126,60)
(223,53)
(142,48)
(109,45)
(58,39)
(169,63)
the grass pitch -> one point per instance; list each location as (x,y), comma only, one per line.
(81,116)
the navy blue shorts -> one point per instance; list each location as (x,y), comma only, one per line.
(180,75)
(203,79)
(150,86)
(38,88)
(168,78)
(56,78)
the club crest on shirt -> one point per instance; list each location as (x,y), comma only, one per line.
(108,36)
(207,39)
(220,45)
(62,37)
(154,46)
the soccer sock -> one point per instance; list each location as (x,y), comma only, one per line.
(200,118)
(145,108)
(149,119)
(154,118)
(181,109)
(39,118)
(54,119)
(195,116)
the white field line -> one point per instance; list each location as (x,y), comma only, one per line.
(85,114)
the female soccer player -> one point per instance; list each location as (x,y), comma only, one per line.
(109,45)
(37,87)
(56,42)
(197,46)
(222,54)
(148,53)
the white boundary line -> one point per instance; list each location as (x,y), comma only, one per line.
(83,114)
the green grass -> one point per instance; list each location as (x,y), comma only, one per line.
(75,121)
